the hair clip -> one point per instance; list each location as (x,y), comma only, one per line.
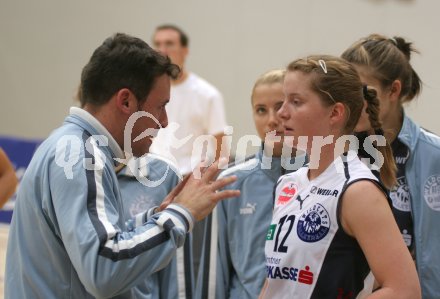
(323,65)
(365,90)
(393,40)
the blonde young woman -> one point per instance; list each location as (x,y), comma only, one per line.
(239,262)
(331,224)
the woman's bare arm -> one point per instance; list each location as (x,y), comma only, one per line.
(367,217)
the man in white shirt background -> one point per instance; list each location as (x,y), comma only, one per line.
(195,105)
(196,123)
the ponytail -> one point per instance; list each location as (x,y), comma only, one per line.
(414,85)
(388,60)
(388,169)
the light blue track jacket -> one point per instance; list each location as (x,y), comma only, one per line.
(140,196)
(68,237)
(239,270)
(423,176)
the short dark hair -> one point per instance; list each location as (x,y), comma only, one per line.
(123,61)
(184,40)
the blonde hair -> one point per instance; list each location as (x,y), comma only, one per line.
(269,77)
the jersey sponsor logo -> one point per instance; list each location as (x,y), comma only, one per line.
(301,201)
(322,191)
(271,232)
(272,260)
(431,192)
(286,194)
(400,195)
(304,276)
(313,224)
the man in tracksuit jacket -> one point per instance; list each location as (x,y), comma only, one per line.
(68,237)
(144,183)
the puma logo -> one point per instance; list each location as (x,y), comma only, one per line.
(249,209)
(298,198)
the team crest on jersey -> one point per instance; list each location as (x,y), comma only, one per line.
(313,224)
(287,193)
(400,195)
(431,192)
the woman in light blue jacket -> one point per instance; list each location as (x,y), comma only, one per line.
(384,64)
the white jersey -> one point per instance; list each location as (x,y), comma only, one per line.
(308,255)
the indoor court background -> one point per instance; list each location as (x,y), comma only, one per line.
(44,45)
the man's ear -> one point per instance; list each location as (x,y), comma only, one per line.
(396,89)
(185,52)
(125,101)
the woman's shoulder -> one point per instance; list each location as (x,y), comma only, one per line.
(418,138)
(242,169)
(430,139)
(294,174)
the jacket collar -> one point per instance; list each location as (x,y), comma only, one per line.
(409,133)
(89,123)
(272,166)
(140,165)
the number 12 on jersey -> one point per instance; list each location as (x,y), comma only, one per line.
(273,230)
